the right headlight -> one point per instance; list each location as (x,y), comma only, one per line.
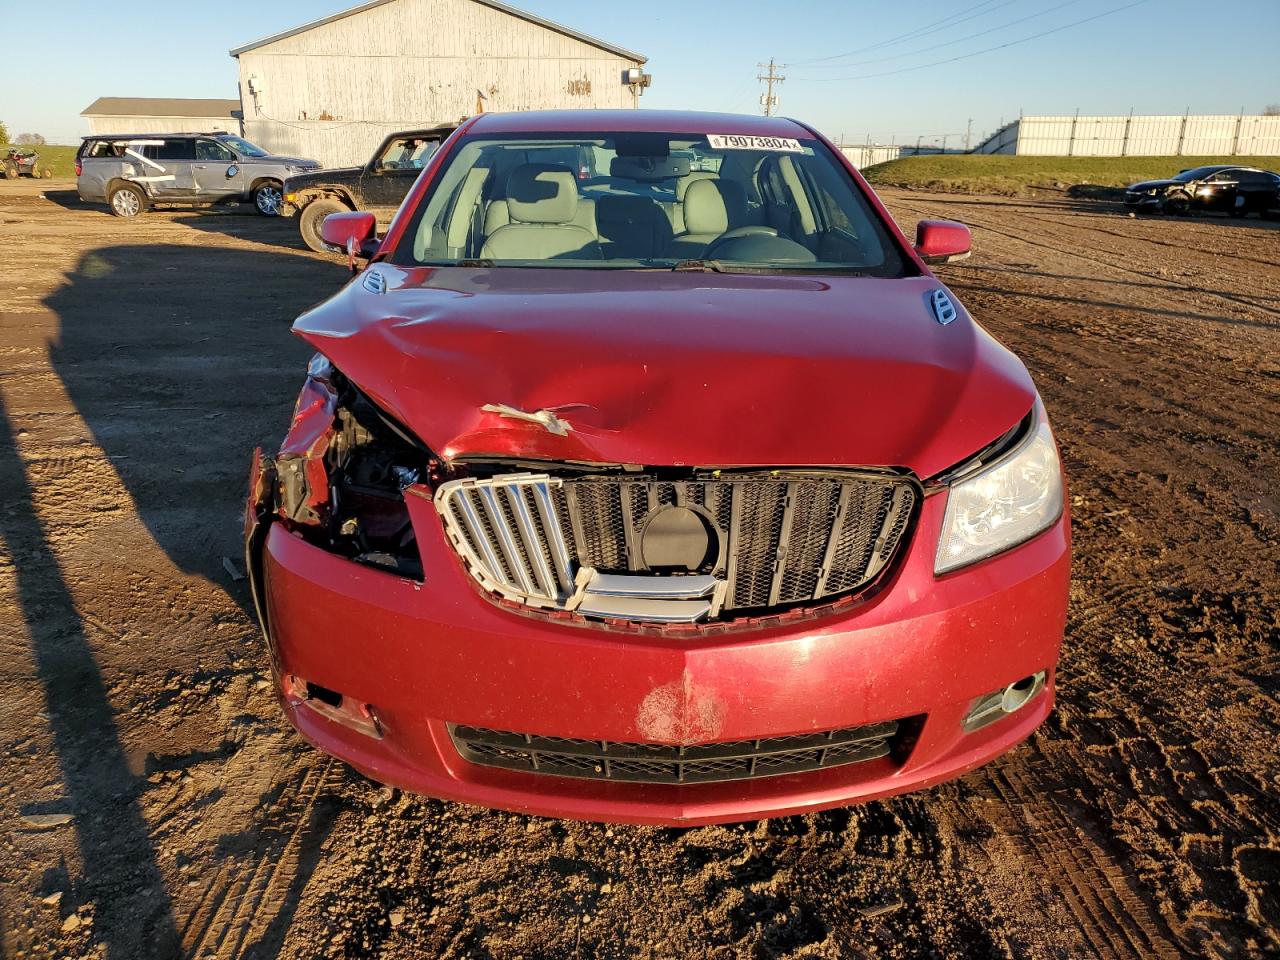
(1002,505)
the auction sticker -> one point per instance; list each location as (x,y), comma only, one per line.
(735,141)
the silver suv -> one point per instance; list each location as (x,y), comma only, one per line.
(130,172)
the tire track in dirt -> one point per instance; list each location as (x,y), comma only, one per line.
(1075,250)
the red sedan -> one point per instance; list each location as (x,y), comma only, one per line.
(681,493)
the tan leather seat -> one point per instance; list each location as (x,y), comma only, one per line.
(542,202)
(706,216)
(498,215)
(676,210)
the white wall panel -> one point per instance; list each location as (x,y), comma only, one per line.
(1138,136)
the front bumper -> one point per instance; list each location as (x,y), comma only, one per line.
(425,655)
(1143,201)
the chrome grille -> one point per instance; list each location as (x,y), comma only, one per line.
(778,539)
(508,530)
(660,763)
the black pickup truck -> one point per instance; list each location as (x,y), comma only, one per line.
(378,186)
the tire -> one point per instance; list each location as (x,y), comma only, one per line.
(11,171)
(1177,205)
(312,217)
(268,198)
(46,173)
(127,201)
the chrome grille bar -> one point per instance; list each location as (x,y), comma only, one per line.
(533,547)
(506,539)
(502,546)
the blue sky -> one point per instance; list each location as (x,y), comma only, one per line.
(1158,56)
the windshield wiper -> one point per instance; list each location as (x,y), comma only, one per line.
(698,266)
(474,262)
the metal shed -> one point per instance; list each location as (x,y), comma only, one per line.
(331,89)
(161,115)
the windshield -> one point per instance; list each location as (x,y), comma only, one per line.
(648,201)
(243,147)
(406,153)
(1196,173)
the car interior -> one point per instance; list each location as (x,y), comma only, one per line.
(659,201)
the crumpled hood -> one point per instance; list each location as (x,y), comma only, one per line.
(1154,184)
(681,369)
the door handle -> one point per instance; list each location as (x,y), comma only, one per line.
(200,166)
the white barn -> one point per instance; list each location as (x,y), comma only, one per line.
(162,115)
(331,89)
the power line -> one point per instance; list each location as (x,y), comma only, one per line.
(948,21)
(945,43)
(976,53)
(769,100)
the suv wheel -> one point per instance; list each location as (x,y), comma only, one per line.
(312,217)
(127,201)
(268,198)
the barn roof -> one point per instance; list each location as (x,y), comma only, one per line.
(495,4)
(160,107)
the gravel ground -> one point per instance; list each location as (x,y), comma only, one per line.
(154,803)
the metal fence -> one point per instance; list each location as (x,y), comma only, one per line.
(1137,136)
(864,155)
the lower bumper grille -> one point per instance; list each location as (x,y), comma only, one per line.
(659,763)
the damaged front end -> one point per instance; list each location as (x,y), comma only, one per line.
(337,482)
(618,544)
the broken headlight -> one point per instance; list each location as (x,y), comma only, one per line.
(342,472)
(1004,504)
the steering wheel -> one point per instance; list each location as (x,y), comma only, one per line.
(754,230)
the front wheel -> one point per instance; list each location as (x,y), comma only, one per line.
(127,201)
(11,171)
(311,219)
(268,198)
(1177,205)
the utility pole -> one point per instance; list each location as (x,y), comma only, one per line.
(769,100)
(967,131)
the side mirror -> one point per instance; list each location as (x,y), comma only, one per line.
(351,231)
(942,241)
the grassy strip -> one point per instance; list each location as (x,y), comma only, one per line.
(62,160)
(1020,176)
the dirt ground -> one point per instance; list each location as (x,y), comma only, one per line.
(153,802)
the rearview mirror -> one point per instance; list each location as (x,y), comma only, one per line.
(351,231)
(942,241)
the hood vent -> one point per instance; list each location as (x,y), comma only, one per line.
(374,281)
(944,311)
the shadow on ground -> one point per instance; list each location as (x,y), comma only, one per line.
(181,380)
(177,382)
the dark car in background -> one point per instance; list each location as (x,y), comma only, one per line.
(378,186)
(1237,191)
